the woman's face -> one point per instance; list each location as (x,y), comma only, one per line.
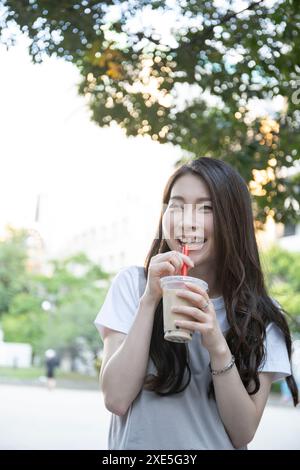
(188,218)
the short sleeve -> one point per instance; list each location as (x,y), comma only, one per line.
(277,359)
(121,302)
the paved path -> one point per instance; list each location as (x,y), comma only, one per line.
(34,418)
(279,429)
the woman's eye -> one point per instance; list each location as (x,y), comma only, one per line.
(201,208)
(205,207)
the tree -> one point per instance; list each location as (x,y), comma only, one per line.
(25,322)
(13,257)
(22,318)
(74,321)
(189,82)
(75,298)
(282,270)
(49,311)
(70,278)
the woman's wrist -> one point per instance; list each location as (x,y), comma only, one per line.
(224,369)
(220,357)
(149,300)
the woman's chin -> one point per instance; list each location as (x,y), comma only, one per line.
(200,255)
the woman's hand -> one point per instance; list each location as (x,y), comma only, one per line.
(201,316)
(164,264)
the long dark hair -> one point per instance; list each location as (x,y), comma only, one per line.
(249,308)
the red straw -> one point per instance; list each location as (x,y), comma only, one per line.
(185,251)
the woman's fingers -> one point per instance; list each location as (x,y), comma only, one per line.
(169,263)
(174,259)
(187,259)
(192,312)
(197,289)
(177,259)
(189,325)
(197,300)
(163,268)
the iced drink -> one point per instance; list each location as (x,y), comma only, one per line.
(169,285)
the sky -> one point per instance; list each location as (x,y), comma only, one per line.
(50,146)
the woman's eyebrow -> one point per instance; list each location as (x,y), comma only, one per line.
(200,199)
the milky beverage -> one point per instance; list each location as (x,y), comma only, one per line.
(169,285)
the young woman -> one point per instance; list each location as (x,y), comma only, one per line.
(209,393)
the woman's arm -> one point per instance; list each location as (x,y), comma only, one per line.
(239,411)
(124,373)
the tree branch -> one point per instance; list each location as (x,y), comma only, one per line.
(207,32)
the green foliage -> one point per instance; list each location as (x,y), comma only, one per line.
(189,82)
(282,269)
(72,294)
(26,327)
(23,303)
(71,277)
(72,320)
(12,267)
(32,374)
(75,298)
(25,321)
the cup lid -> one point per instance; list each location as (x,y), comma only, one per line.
(164,281)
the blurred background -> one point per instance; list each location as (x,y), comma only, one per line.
(99,103)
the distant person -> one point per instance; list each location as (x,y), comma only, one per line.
(51,364)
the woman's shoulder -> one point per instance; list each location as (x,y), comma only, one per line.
(271,325)
(128,277)
(119,307)
(275,302)
(128,272)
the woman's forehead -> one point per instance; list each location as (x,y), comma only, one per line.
(190,188)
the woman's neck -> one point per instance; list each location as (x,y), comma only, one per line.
(209,276)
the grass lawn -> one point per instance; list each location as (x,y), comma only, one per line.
(32,373)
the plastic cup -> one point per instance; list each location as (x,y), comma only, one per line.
(169,285)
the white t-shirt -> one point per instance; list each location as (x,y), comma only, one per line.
(121,303)
(150,422)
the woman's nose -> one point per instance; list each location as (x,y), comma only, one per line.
(192,220)
(189,230)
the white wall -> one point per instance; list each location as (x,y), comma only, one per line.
(15,354)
